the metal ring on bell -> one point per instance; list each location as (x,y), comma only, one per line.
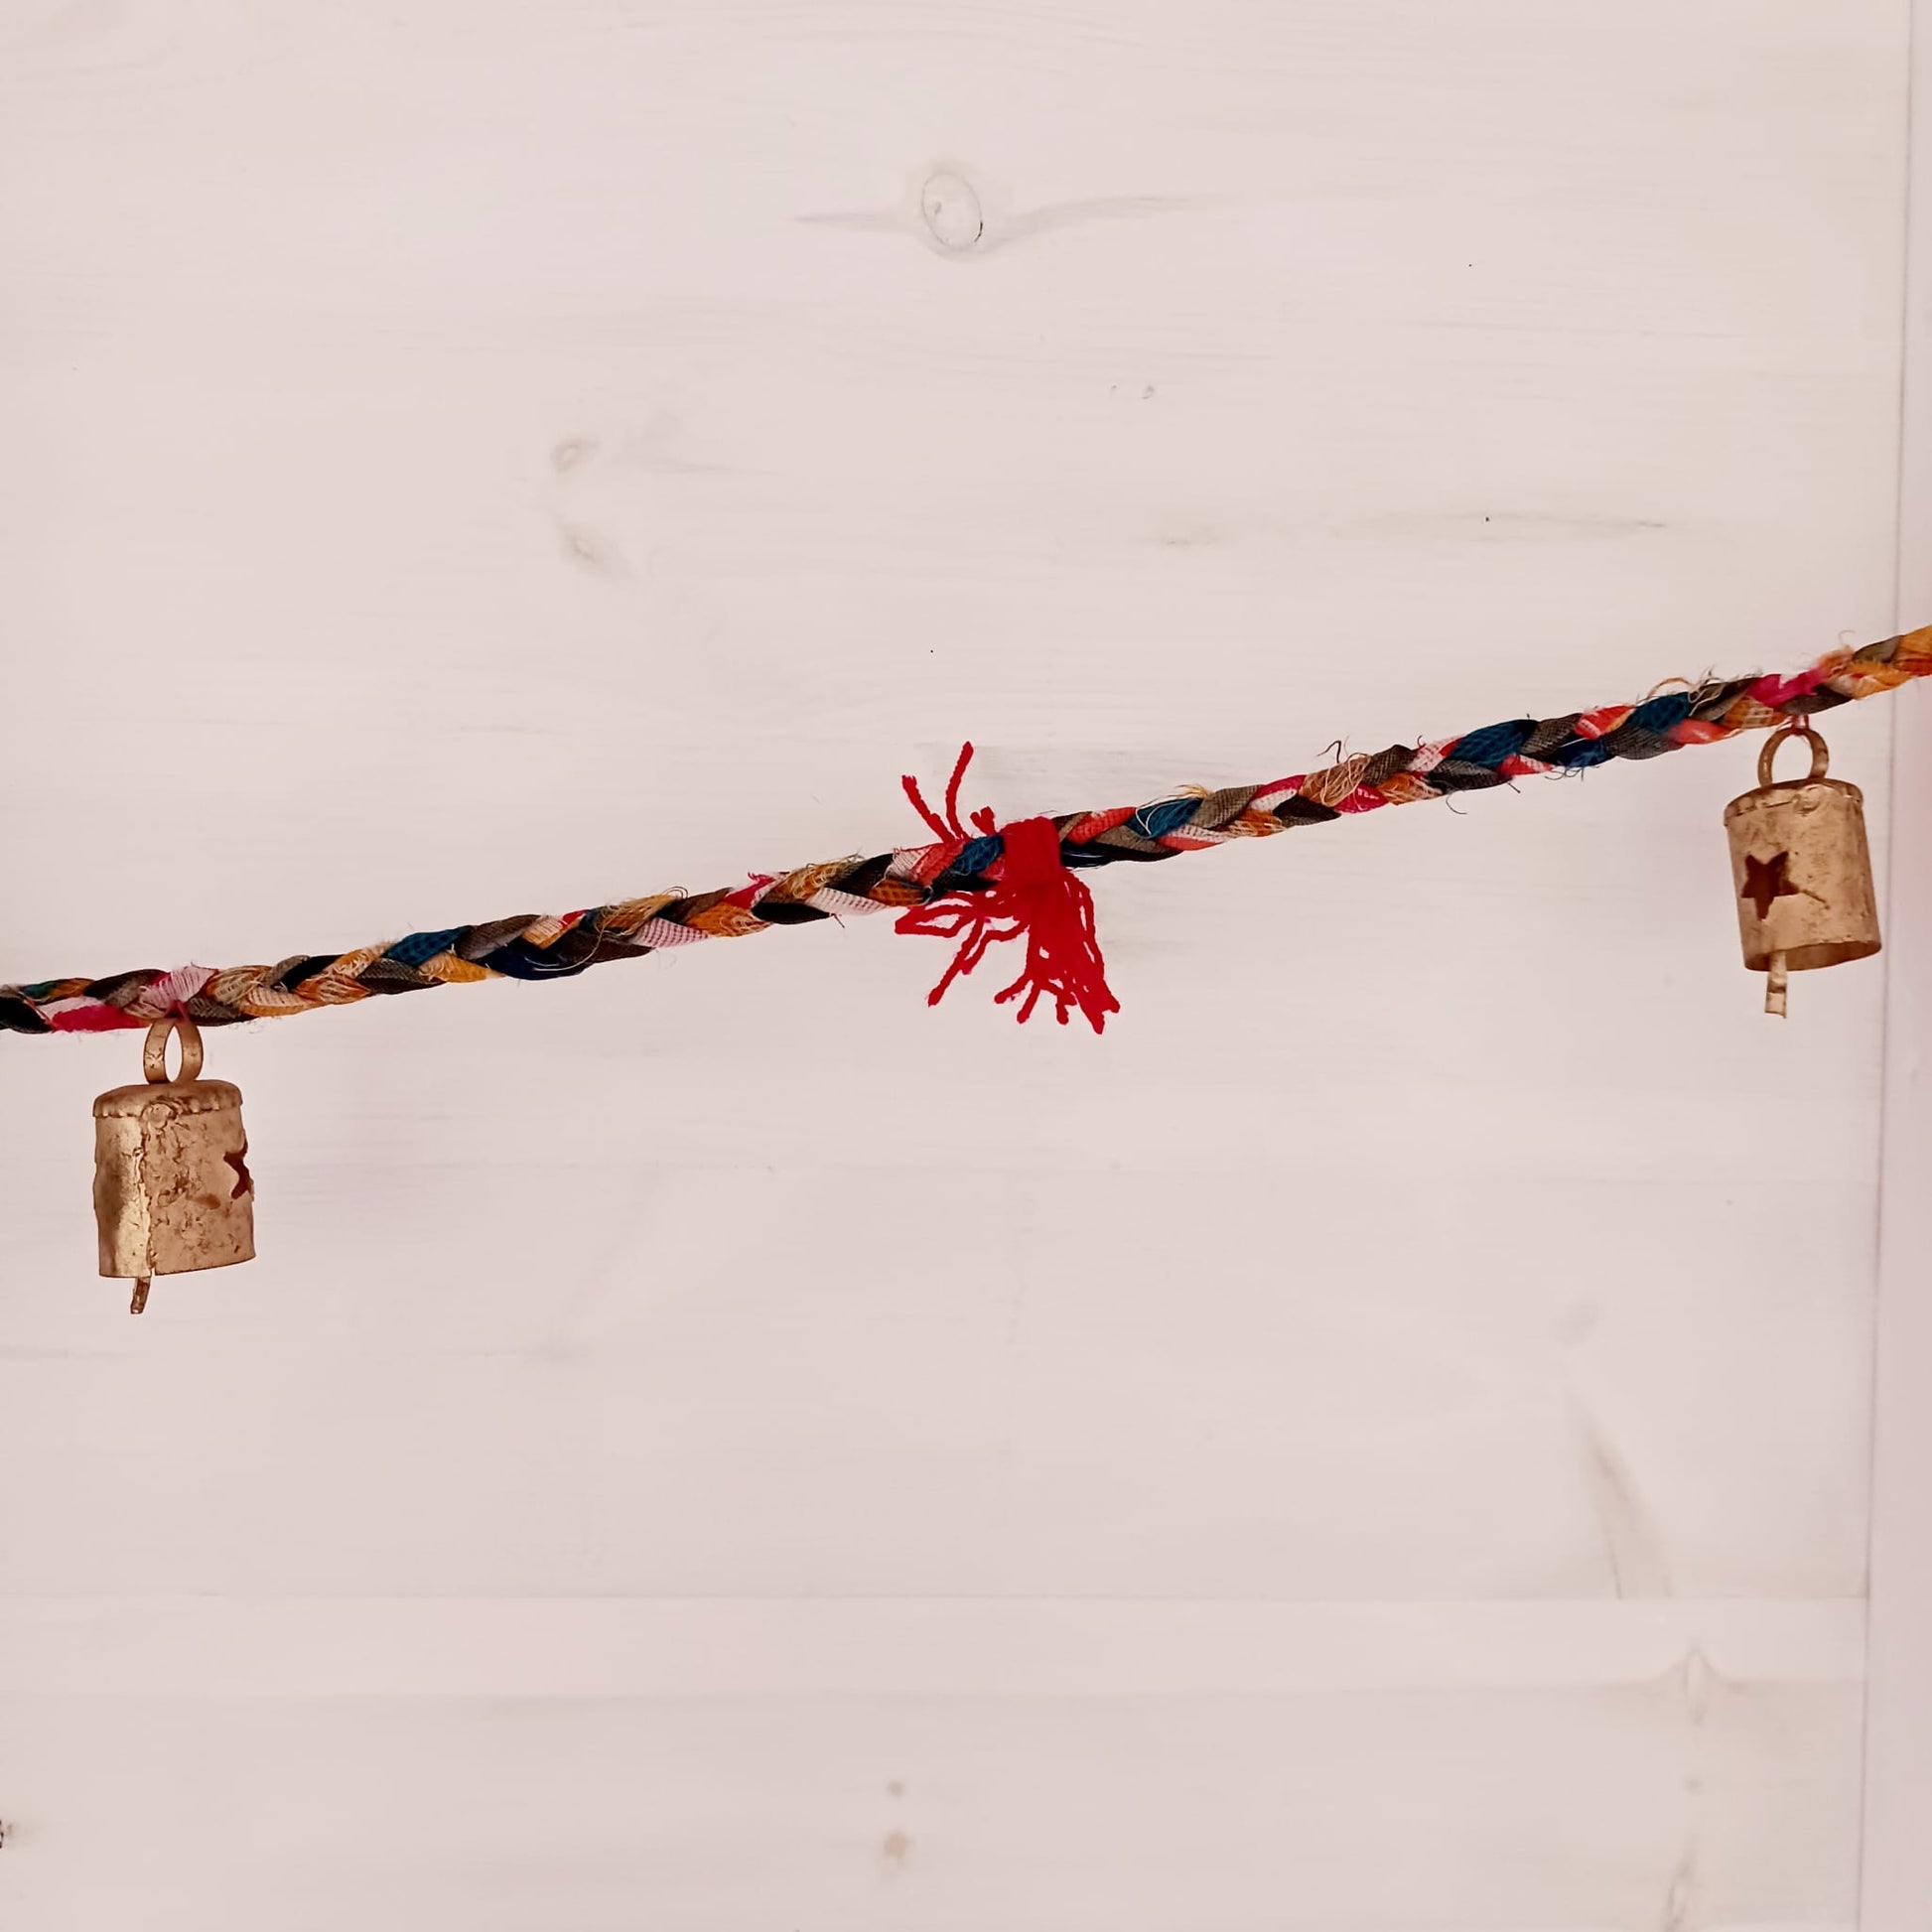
(154,1056)
(1820,756)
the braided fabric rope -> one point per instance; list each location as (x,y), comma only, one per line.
(557,946)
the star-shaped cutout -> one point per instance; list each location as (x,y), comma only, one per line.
(1766,880)
(243,1179)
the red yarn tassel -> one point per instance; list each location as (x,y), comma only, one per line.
(1033,895)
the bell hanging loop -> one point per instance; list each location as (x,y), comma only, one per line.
(172,1188)
(1801,869)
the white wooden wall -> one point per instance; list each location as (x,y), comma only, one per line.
(1377,1443)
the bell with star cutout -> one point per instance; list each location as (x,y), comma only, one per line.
(172,1188)
(1802,871)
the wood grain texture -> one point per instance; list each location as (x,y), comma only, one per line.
(1378,1441)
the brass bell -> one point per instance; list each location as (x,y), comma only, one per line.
(172,1187)
(1802,870)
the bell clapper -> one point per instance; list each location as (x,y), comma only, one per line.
(139,1304)
(1775,983)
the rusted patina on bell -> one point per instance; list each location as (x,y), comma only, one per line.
(172,1187)
(1801,869)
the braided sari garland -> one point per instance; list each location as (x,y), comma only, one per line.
(966,863)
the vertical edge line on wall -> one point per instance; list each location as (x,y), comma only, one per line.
(1896,1864)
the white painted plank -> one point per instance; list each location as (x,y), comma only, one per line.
(1897,1865)
(1277,1466)
(1550,1809)
(627,1648)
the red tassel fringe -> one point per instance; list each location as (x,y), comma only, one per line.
(1034,896)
